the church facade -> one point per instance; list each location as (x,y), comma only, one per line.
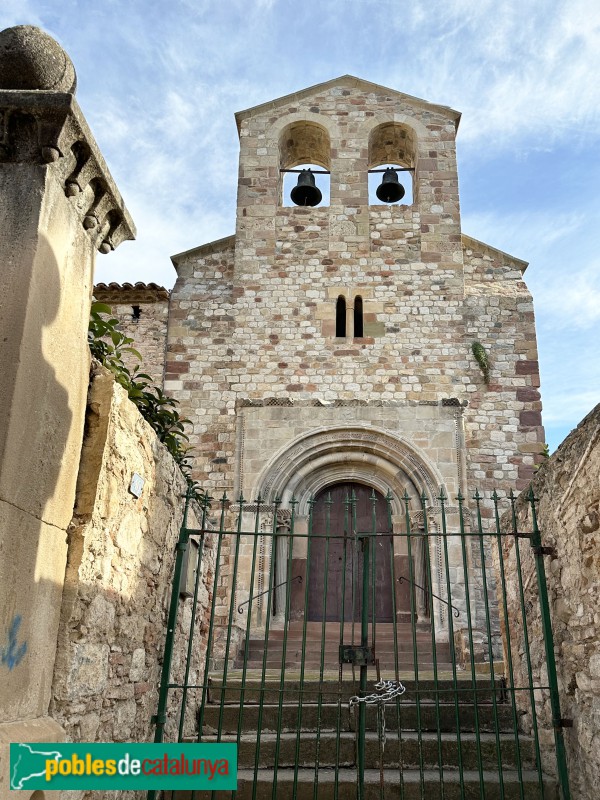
(333,347)
(252,350)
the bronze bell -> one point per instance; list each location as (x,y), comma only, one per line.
(390,190)
(306,193)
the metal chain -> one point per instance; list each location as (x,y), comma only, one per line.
(385,691)
(381,726)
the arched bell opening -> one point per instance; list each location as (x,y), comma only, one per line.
(304,148)
(392,157)
(390,184)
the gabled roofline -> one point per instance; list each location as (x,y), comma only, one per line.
(349,81)
(522,265)
(203,249)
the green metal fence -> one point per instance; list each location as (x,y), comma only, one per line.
(367,646)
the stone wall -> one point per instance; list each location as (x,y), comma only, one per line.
(142,310)
(568,488)
(118,580)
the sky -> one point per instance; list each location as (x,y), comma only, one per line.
(159,83)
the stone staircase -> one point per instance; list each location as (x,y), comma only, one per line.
(422,750)
(431,750)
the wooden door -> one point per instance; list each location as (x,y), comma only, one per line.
(335,553)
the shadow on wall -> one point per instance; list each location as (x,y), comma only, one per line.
(34,503)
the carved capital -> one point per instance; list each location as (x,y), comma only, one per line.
(48,128)
(284,518)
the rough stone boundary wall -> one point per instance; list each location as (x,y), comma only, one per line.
(118,580)
(568,488)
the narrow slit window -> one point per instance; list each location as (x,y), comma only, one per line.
(358,317)
(340,317)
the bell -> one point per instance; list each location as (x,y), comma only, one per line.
(390,190)
(306,193)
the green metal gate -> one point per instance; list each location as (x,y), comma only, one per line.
(288,650)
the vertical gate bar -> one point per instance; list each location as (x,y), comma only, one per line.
(286,620)
(181,546)
(395,635)
(413,625)
(328,503)
(212,618)
(340,667)
(536,739)
(380,709)
(354,553)
(436,685)
(364,641)
(463,538)
(373,560)
(270,597)
(233,579)
(192,627)
(354,581)
(561,758)
(488,628)
(461,777)
(255,536)
(212,621)
(511,673)
(311,504)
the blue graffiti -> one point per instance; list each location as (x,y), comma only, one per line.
(13,653)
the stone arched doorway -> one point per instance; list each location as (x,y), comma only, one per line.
(335,569)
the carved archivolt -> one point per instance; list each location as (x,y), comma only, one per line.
(361,454)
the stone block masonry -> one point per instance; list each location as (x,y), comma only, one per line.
(118,580)
(267,317)
(142,310)
(253,316)
(568,489)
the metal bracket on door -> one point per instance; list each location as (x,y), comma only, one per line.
(357,654)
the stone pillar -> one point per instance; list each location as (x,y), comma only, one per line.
(58,206)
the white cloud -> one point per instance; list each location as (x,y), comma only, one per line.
(19,12)
(572,300)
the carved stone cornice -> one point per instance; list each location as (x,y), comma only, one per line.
(48,128)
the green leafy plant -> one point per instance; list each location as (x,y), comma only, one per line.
(109,345)
(481,357)
(545,454)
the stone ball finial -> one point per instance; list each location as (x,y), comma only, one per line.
(31,59)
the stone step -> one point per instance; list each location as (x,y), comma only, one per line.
(331,690)
(415,785)
(381,628)
(326,716)
(315,635)
(409,750)
(388,663)
(333,646)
